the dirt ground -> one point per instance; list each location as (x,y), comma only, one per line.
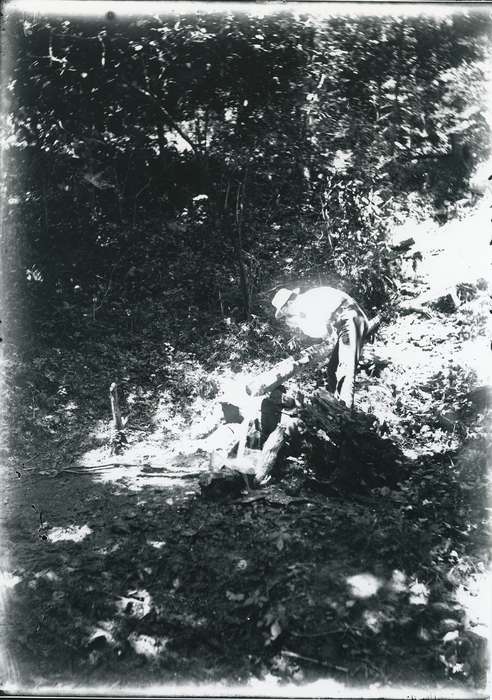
(120,579)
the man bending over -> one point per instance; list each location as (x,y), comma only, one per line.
(325,312)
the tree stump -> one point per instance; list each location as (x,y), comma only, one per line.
(221,484)
(345,447)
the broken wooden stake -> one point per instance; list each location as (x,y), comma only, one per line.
(115,406)
(118,439)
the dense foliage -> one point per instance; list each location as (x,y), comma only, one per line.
(173,167)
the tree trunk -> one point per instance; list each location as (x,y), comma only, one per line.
(238,241)
(233,232)
(243,278)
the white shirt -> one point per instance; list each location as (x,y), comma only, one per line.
(314,311)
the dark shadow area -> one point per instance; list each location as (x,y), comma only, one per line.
(358,572)
(171,587)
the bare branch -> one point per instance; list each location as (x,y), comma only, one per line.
(169,119)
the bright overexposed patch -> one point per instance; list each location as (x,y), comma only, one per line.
(413,228)
(398,581)
(475,355)
(364,585)
(463,247)
(75,533)
(419,593)
(180,144)
(266,687)
(124,9)
(157,544)
(8,580)
(374,620)
(342,160)
(475,599)
(102,633)
(47,575)
(147,646)
(479,181)
(233,389)
(101,430)
(136,603)
(313,326)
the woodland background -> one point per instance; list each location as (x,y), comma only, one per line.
(162,175)
(168,171)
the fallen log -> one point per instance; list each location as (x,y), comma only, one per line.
(244,402)
(408,307)
(269,454)
(269,380)
(242,396)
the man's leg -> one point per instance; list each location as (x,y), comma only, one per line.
(351,339)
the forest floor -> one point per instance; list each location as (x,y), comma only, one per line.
(125,579)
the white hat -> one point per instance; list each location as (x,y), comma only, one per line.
(282,297)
